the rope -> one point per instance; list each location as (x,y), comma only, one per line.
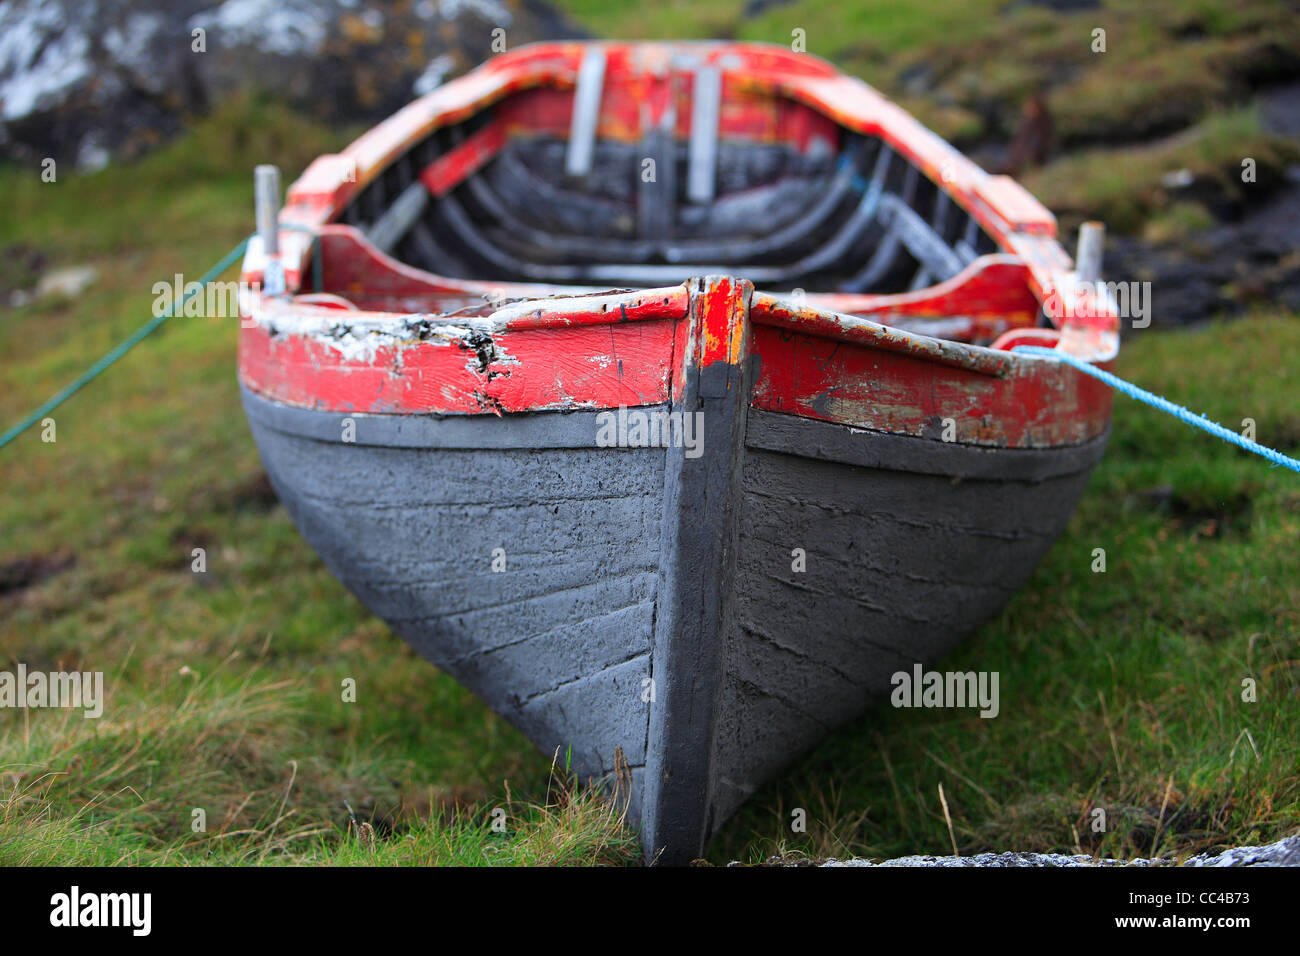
(1163,404)
(1114,381)
(121,349)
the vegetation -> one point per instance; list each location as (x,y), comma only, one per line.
(1124,186)
(1121,690)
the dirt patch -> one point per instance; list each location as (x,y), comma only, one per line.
(396,813)
(20,266)
(23,573)
(1206,520)
(1286,437)
(186,541)
(255,494)
(1198,515)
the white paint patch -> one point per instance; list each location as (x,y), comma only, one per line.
(361,339)
(934,328)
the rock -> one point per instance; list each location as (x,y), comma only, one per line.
(1220,271)
(996,860)
(66,283)
(1279,109)
(1282,853)
(83,80)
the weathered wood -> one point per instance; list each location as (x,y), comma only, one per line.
(698,550)
(558,642)
(1087,262)
(586,112)
(464,160)
(266,181)
(645,564)
(442,432)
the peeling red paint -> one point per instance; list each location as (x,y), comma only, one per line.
(582,366)
(830,356)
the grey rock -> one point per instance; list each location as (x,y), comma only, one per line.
(86,79)
(66,283)
(1284,852)
(995,860)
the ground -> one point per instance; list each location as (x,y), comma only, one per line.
(1125,690)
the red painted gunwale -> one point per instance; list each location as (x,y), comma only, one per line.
(827,357)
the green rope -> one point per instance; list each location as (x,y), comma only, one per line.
(136,337)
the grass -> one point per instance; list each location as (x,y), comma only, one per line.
(1165,64)
(218,682)
(1120,691)
(1122,185)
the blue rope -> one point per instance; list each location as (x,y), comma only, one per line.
(1119,384)
(1155,401)
(121,349)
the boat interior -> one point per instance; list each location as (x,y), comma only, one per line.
(600,185)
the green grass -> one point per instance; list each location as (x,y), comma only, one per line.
(1165,64)
(1122,185)
(882,24)
(218,683)
(1119,691)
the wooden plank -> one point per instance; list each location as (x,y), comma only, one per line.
(586,112)
(459,163)
(698,553)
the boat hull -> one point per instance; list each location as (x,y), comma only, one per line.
(858,466)
(545,573)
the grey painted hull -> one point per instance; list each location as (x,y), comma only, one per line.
(651,612)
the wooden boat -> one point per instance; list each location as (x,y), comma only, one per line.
(663,395)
